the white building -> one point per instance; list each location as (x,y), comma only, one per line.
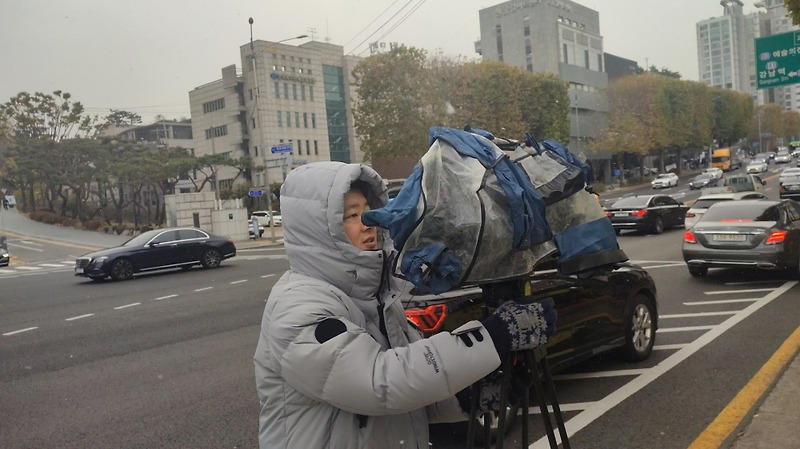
(297,96)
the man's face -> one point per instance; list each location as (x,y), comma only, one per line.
(362,236)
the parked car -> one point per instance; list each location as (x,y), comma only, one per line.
(664,180)
(762,234)
(702,204)
(263,217)
(652,213)
(783,157)
(714,171)
(156,250)
(703,180)
(757,167)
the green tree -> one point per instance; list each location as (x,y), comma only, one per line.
(395,104)
(45,116)
(793,6)
(791,125)
(122,118)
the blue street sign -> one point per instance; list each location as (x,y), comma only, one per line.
(281,149)
(255,192)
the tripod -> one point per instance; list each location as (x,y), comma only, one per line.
(532,367)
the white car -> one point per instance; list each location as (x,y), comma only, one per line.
(263,217)
(783,157)
(788,173)
(695,213)
(757,167)
(664,180)
(717,172)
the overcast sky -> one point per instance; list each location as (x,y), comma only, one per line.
(145,56)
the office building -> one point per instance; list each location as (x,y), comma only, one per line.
(559,37)
(292,107)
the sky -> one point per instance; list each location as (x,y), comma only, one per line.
(145,56)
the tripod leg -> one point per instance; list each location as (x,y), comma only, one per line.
(542,400)
(504,389)
(526,403)
(473,413)
(562,430)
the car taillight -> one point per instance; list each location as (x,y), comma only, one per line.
(688,237)
(429,319)
(639,213)
(690,215)
(775,237)
(609,214)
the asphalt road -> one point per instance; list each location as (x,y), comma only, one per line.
(165,360)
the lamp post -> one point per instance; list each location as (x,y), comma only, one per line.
(760,142)
(261,128)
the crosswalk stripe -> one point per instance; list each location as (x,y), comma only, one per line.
(52,265)
(29,268)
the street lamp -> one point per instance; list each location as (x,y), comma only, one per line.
(260,125)
(760,142)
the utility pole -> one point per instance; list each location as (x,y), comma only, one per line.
(261,133)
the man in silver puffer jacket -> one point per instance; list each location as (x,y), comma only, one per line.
(337,364)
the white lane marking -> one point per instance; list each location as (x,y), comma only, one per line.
(128,305)
(572,407)
(238,282)
(268,275)
(684,329)
(599,408)
(752,282)
(28,268)
(692,315)
(25,247)
(650,267)
(668,347)
(79,317)
(52,265)
(728,292)
(600,374)
(165,297)
(20,331)
(640,262)
(203,289)
(8,272)
(721,301)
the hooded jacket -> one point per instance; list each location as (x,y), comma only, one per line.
(337,364)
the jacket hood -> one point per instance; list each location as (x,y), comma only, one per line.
(312,206)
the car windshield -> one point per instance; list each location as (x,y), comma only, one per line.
(662,176)
(635,201)
(750,211)
(703,176)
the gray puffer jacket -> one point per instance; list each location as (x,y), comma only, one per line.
(337,364)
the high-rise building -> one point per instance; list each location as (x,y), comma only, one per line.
(293,96)
(726,49)
(553,36)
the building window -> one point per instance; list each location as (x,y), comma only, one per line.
(566,55)
(294,91)
(586,58)
(286,91)
(599,63)
(313,120)
(251,94)
(527,46)
(316,149)
(214,105)
(303,92)
(498,33)
(288,119)
(254,122)
(308,148)
(217,131)
(310,91)
(280,119)
(296,119)
(277,90)
(305,119)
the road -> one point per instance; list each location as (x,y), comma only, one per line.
(165,360)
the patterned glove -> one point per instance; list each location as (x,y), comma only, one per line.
(490,394)
(517,326)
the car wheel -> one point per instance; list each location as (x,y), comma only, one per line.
(640,329)
(511,417)
(122,270)
(658,226)
(211,258)
(698,272)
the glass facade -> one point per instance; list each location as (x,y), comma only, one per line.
(333,80)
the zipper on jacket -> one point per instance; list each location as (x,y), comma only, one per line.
(381,317)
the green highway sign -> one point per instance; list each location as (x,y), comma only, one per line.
(778,60)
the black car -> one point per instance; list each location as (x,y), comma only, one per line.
(650,213)
(156,250)
(703,180)
(761,234)
(614,309)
